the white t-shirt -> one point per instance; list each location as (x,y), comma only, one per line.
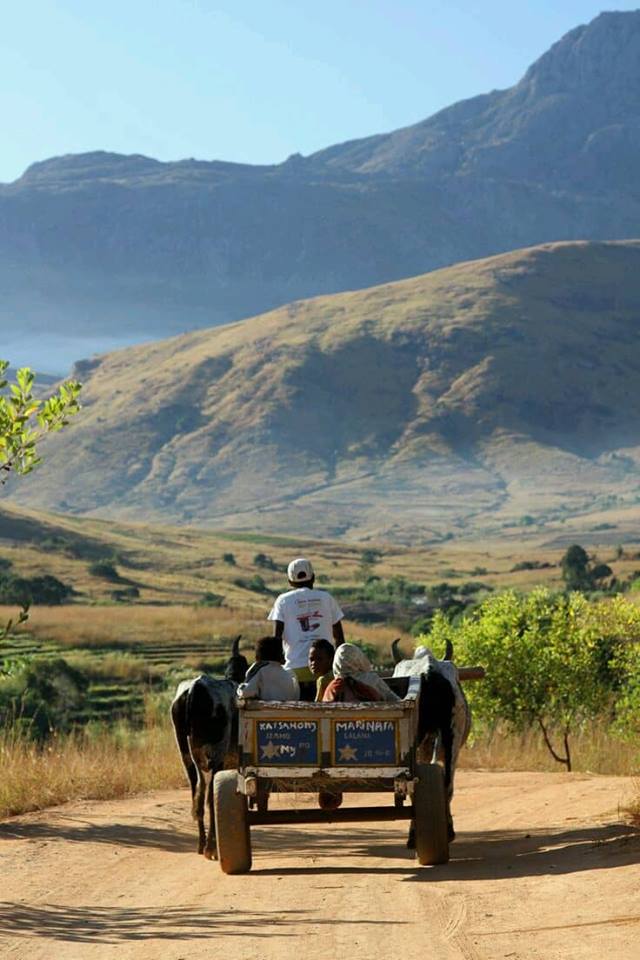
(271,682)
(308,615)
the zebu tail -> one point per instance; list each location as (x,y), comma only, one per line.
(181,731)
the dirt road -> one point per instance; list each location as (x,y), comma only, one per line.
(543,868)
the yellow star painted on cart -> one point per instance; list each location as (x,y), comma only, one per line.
(270,751)
(347,753)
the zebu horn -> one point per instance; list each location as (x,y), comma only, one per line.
(235,647)
(395,652)
(448,651)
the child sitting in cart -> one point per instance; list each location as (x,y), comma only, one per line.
(321,655)
(268,680)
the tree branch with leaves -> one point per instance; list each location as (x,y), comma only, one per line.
(26,419)
(24,422)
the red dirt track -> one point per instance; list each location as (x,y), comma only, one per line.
(544,867)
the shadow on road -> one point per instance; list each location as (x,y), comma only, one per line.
(157,833)
(118,925)
(489,855)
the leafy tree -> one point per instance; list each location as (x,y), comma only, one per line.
(24,420)
(543,654)
(370,556)
(229,558)
(575,568)
(579,573)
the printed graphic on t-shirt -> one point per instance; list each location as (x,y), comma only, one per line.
(307,621)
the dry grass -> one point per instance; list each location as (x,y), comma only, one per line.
(98,626)
(97,764)
(122,627)
(105,764)
(633,810)
(115,667)
(595,751)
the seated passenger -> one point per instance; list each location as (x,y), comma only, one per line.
(268,680)
(355,681)
(321,654)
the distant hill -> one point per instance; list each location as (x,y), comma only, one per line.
(108,250)
(501,391)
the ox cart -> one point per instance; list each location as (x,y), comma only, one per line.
(330,749)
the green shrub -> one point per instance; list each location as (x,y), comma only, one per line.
(125,594)
(105,569)
(46,590)
(255,583)
(265,561)
(211,600)
(43,695)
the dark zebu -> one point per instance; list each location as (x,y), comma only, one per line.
(444,718)
(205,719)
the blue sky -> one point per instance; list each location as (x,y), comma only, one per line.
(251,81)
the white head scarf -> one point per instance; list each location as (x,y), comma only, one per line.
(350,661)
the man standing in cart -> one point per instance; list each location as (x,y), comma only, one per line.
(303,615)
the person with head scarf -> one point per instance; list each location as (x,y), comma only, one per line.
(355,680)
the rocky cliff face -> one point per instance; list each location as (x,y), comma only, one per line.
(574,117)
(124,248)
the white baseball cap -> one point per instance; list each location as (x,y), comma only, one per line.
(300,569)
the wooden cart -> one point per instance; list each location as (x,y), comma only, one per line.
(329,749)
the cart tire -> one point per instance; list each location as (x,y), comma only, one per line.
(430,812)
(232,823)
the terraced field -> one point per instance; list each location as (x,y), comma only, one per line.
(122,675)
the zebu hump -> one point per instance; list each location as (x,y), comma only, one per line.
(412,668)
(219,691)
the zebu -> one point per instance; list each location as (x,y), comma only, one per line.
(444,718)
(205,720)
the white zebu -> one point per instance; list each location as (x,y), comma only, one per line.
(444,719)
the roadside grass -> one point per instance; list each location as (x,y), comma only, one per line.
(99,762)
(107,763)
(595,750)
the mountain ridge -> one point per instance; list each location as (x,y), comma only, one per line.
(104,247)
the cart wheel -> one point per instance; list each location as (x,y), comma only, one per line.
(232,823)
(430,812)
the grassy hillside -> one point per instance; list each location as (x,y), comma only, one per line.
(179,566)
(460,403)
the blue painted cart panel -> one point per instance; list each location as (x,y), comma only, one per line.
(283,742)
(365,743)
